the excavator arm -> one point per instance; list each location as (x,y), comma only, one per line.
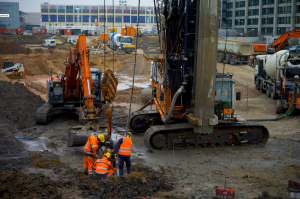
(283,39)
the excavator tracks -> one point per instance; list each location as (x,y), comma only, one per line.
(43,114)
(181,136)
(140,121)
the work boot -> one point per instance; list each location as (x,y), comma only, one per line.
(85,171)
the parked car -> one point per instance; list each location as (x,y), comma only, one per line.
(296,47)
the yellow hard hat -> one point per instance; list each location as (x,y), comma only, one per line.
(108,155)
(128,134)
(101,137)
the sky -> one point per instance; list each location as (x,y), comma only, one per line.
(34,5)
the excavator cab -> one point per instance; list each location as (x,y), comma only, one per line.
(96,82)
(7,64)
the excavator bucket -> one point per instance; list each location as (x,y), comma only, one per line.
(109,86)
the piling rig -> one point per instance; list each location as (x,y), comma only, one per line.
(195,104)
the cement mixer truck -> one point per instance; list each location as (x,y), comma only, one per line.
(276,76)
(121,43)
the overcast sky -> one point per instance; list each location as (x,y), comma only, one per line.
(34,5)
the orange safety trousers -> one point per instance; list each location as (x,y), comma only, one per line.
(88,163)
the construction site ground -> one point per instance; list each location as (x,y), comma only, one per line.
(40,165)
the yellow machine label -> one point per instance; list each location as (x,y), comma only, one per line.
(57,85)
(129,46)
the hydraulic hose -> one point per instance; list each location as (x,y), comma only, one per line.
(167,118)
(288,112)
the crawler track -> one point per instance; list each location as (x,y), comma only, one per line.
(43,114)
(145,115)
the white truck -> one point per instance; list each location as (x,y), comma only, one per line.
(49,42)
(236,51)
(123,43)
(275,75)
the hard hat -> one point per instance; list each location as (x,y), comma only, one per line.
(128,134)
(101,137)
(108,154)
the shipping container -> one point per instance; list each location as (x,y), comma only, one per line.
(7,30)
(68,31)
(39,31)
(44,31)
(34,30)
(102,36)
(76,31)
(60,31)
(2,30)
(20,31)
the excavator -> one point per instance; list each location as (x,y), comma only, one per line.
(194,103)
(278,44)
(78,90)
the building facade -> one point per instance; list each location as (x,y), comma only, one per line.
(11,9)
(29,18)
(85,15)
(265,17)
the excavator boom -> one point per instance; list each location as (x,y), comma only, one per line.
(283,39)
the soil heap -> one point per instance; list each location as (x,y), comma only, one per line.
(13,48)
(142,66)
(3,77)
(18,104)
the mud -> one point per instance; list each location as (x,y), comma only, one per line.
(18,104)
(3,77)
(13,48)
(142,66)
(123,96)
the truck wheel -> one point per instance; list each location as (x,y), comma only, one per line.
(272,93)
(268,91)
(227,61)
(257,85)
(219,57)
(261,88)
(232,61)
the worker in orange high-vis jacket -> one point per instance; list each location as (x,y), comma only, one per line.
(123,148)
(103,167)
(90,150)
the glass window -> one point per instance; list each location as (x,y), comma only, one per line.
(85,9)
(75,10)
(85,18)
(133,11)
(229,14)
(118,9)
(44,8)
(224,93)
(53,9)
(283,20)
(94,18)
(267,20)
(142,10)
(149,19)
(297,19)
(110,9)
(268,2)
(110,18)
(240,30)
(125,39)
(69,9)
(61,9)
(280,31)
(285,1)
(133,19)
(267,31)
(126,19)
(240,13)
(252,12)
(53,18)
(253,3)
(75,18)
(240,4)
(284,10)
(69,18)
(239,22)
(101,9)
(101,18)
(94,9)
(142,19)
(118,18)
(149,8)
(267,11)
(61,18)
(126,9)
(253,21)
(45,18)
(229,5)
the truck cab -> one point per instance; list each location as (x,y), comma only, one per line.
(49,42)
(72,41)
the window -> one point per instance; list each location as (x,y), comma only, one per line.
(267,31)
(133,19)
(61,18)
(133,11)
(252,12)
(110,9)
(253,32)
(229,14)
(285,1)
(85,18)
(229,22)
(240,4)
(253,21)
(229,5)
(297,9)
(69,9)
(267,20)
(75,18)
(53,18)
(155,19)
(253,3)
(118,9)
(283,20)
(110,18)
(126,19)
(142,19)
(94,17)
(149,19)
(118,18)
(45,18)
(280,31)
(126,9)
(297,19)
(44,8)
(61,9)
(267,11)
(75,10)
(142,10)
(240,13)
(284,10)
(53,9)
(101,9)
(94,9)
(268,2)
(149,8)
(240,30)
(69,18)
(239,22)
(101,18)
(85,9)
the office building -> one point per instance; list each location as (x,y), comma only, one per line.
(9,12)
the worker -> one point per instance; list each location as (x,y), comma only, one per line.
(123,149)
(224,93)
(103,167)
(90,149)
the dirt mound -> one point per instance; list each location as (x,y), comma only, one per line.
(13,48)
(3,77)
(142,66)
(18,104)
(20,185)
(123,96)
(266,195)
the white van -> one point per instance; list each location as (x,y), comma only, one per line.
(49,42)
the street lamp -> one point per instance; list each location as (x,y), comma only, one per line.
(252,34)
(150,17)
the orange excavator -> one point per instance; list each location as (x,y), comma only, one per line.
(278,44)
(78,90)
